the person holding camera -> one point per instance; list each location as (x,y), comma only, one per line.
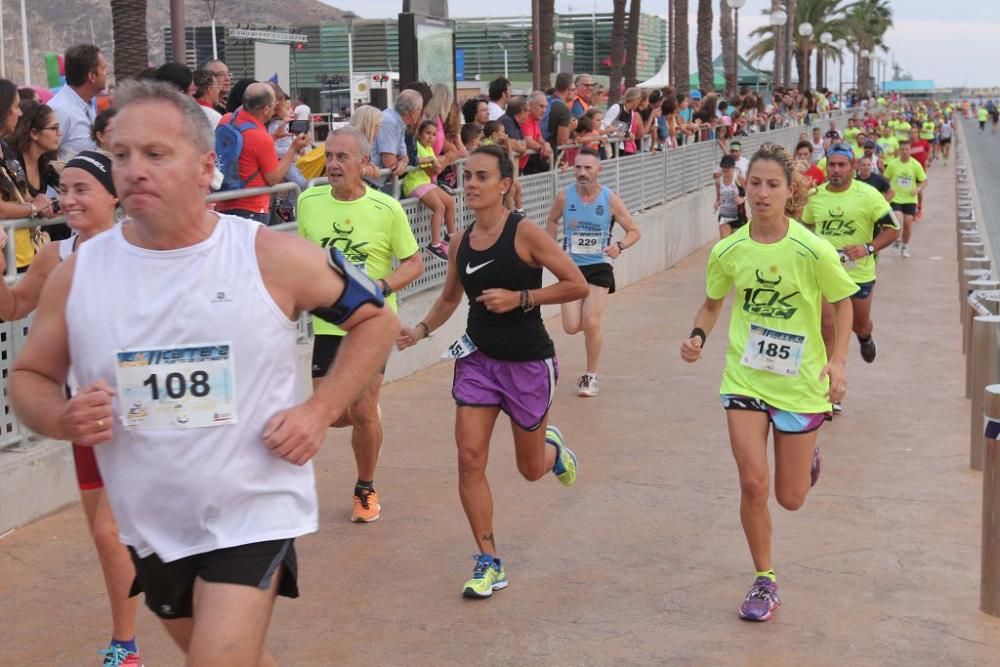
(259,165)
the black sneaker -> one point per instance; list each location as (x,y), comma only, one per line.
(867,349)
(439,250)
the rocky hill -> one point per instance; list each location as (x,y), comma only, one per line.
(53,25)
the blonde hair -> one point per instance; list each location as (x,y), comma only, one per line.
(797,184)
(440,104)
(367,119)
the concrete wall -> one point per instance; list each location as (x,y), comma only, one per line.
(39,478)
(669,234)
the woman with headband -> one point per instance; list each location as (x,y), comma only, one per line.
(88,200)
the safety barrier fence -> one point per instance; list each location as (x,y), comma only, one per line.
(642,181)
(979,298)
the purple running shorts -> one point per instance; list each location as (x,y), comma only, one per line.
(522,389)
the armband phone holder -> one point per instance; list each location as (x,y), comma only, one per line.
(359,290)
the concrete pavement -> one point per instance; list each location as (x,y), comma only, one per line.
(642,562)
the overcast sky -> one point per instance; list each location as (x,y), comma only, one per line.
(953,43)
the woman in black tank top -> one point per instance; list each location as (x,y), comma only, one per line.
(506,360)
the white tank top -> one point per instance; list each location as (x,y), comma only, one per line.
(183,491)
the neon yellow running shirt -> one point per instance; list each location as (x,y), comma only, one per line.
(370,231)
(904,177)
(848,218)
(983,114)
(775,323)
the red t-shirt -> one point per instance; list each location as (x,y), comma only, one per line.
(530,128)
(816,175)
(259,157)
(920,150)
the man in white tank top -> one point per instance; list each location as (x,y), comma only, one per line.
(180,325)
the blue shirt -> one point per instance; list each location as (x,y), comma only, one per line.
(75,118)
(391,139)
(588,227)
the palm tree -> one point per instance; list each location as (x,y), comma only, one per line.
(679,47)
(867,22)
(128,25)
(617,50)
(703,47)
(632,43)
(546,14)
(728,53)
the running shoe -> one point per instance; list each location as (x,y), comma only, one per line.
(904,250)
(817,466)
(588,385)
(867,349)
(760,601)
(837,408)
(366,507)
(119,656)
(565,465)
(487,576)
(439,250)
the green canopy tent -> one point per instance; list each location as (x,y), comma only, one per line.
(746,75)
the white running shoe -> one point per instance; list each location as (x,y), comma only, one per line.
(904,250)
(588,385)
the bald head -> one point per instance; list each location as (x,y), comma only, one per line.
(257,97)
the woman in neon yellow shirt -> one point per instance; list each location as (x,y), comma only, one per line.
(777,375)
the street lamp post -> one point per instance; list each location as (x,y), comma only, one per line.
(735,5)
(777,21)
(558,47)
(349,17)
(805,31)
(841,45)
(504,37)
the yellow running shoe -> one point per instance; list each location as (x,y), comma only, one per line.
(488,576)
(366,507)
(565,465)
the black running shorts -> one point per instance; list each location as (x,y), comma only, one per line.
(169,587)
(601,275)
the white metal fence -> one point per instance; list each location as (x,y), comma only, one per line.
(643,181)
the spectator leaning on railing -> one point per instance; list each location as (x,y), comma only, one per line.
(225,79)
(36,141)
(16,203)
(476,110)
(86,75)
(499,92)
(259,165)
(561,121)
(532,130)
(207,90)
(390,144)
(584,98)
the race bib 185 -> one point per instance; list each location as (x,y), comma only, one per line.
(773,351)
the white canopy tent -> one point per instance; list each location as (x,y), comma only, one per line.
(658,80)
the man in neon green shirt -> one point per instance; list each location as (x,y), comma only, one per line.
(902,127)
(982,115)
(888,143)
(908,181)
(857,220)
(371,229)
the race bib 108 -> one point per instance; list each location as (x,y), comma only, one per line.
(191,386)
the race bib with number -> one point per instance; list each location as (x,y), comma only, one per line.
(462,347)
(905,182)
(191,386)
(587,243)
(773,351)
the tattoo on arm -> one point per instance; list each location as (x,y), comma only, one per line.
(489,538)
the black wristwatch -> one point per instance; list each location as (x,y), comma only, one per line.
(386,288)
(869,248)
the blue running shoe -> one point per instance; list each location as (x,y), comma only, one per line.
(488,576)
(565,465)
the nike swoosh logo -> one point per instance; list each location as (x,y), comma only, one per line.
(470,269)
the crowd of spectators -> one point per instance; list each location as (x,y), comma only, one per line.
(415,144)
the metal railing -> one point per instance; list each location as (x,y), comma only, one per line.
(642,181)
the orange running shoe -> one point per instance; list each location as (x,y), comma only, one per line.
(366,507)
